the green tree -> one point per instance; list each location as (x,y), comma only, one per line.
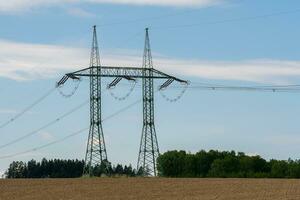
(171,164)
(226,167)
(279,169)
(17,169)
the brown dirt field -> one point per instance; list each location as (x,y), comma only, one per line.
(150,188)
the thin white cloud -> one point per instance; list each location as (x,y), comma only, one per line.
(260,71)
(79,12)
(46,136)
(21,61)
(23,5)
(200,3)
(7,111)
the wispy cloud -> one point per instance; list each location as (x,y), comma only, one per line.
(200,3)
(260,70)
(7,111)
(24,5)
(46,136)
(79,12)
(21,61)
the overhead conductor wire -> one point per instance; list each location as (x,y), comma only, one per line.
(44,126)
(27,108)
(71,135)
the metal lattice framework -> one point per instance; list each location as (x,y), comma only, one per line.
(120,72)
(96,151)
(149,149)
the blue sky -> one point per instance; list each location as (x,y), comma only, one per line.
(204,41)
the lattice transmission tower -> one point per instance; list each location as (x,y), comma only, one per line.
(95,151)
(149,150)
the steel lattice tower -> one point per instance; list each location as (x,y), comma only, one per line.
(149,150)
(96,151)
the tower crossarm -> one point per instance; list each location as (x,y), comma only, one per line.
(120,72)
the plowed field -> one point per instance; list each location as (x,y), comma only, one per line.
(150,188)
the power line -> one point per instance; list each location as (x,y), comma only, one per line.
(250,18)
(71,135)
(122,110)
(159,17)
(238,88)
(278,88)
(44,126)
(137,20)
(127,40)
(45,145)
(27,108)
(210,86)
(267,86)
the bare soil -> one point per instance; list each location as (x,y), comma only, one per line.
(150,188)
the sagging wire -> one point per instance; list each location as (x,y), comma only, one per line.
(122,98)
(27,108)
(50,123)
(178,97)
(73,134)
(63,94)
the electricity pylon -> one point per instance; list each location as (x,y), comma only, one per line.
(149,150)
(95,151)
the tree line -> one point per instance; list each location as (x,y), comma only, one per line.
(217,164)
(57,168)
(224,164)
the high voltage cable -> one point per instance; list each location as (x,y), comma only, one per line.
(144,19)
(154,17)
(122,110)
(250,18)
(44,126)
(126,108)
(27,108)
(127,40)
(45,145)
(275,88)
(208,86)
(71,135)
(203,86)
(240,88)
